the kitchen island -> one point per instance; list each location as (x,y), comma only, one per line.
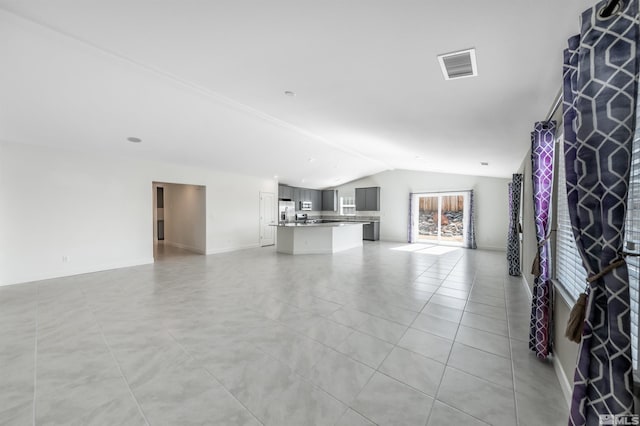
(318,238)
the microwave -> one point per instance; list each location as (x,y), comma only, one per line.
(305,205)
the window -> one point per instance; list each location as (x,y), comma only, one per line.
(632,241)
(347,206)
(569,272)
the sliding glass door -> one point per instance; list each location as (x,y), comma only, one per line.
(441,218)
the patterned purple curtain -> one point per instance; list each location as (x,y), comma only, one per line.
(542,150)
(513,240)
(600,92)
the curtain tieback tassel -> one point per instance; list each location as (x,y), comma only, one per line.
(535,267)
(575,325)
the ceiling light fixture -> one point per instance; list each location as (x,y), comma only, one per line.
(484,163)
(460,64)
(311,159)
(289,93)
(134,139)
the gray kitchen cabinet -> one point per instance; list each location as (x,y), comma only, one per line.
(316,200)
(285,192)
(371,231)
(361,201)
(297,197)
(368,199)
(329,200)
(372,199)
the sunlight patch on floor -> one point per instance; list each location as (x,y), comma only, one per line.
(426,249)
(439,250)
(413,247)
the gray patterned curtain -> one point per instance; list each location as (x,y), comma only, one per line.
(471,229)
(600,93)
(411,219)
(513,241)
(542,151)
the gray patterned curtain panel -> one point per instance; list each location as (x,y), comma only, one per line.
(513,239)
(600,93)
(542,151)
(471,229)
(410,234)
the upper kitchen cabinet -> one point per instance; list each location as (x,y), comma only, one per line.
(316,200)
(285,192)
(329,197)
(368,199)
(297,196)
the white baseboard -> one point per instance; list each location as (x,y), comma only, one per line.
(230,249)
(564,381)
(567,391)
(78,271)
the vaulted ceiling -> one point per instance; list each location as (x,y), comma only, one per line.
(203,82)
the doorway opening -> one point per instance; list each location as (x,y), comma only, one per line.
(267,219)
(179,220)
(441,218)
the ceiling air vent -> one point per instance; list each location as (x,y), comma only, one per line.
(458,64)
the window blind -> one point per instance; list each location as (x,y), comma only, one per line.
(632,239)
(569,270)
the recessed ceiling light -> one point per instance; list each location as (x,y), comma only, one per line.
(289,93)
(275,176)
(484,163)
(303,180)
(460,64)
(134,139)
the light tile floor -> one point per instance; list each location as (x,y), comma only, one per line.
(367,336)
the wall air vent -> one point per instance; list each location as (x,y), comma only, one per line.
(460,64)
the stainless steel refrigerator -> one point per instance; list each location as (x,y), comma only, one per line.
(286,211)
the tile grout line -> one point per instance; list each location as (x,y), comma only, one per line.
(377,369)
(122,375)
(513,367)
(35,357)
(215,378)
(435,397)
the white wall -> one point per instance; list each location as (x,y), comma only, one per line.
(185,218)
(491,198)
(97,210)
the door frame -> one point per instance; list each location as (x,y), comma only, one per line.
(261,221)
(465,217)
